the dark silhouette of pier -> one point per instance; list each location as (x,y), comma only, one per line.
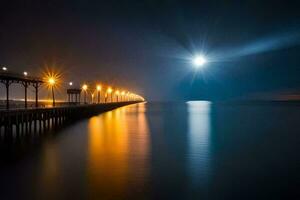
(23,121)
(18,122)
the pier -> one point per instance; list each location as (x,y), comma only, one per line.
(15,122)
(22,122)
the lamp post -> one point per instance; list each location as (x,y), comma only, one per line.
(109,91)
(117,94)
(84,87)
(25,87)
(51,82)
(70,95)
(99,93)
(122,95)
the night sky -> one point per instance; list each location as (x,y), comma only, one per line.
(146,46)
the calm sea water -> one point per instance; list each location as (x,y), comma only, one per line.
(191,150)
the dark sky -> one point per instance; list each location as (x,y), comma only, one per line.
(252,46)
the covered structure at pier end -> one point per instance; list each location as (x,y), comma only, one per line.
(8,78)
(74,96)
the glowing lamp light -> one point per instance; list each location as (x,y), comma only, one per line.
(109,90)
(51,81)
(25,73)
(4,68)
(117,92)
(84,87)
(199,61)
(99,88)
(70,83)
(123,93)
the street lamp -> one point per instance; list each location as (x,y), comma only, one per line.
(117,94)
(109,91)
(199,61)
(25,87)
(85,87)
(70,83)
(122,95)
(4,68)
(99,92)
(51,82)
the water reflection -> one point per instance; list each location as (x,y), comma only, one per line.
(118,147)
(49,173)
(196,150)
(198,134)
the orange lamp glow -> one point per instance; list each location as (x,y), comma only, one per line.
(84,87)
(51,81)
(109,90)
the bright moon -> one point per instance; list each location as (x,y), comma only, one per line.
(199,61)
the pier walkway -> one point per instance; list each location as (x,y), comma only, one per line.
(37,120)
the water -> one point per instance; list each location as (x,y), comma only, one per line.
(187,150)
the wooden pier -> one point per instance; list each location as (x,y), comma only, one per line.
(24,121)
(15,123)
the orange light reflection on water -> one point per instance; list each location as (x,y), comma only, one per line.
(116,139)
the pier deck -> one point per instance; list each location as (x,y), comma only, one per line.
(26,121)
